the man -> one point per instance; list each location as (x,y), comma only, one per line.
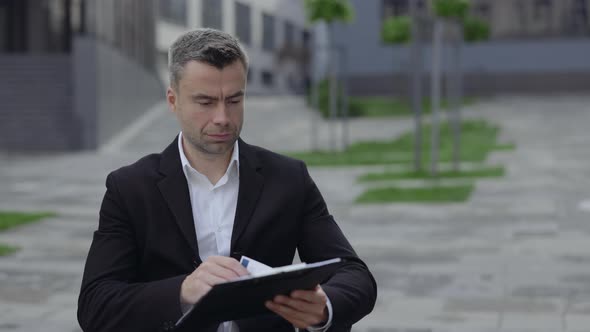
(172,224)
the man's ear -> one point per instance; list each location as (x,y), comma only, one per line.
(171,99)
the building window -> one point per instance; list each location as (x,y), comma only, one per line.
(395,7)
(289,34)
(542,9)
(483,10)
(267,78)
(391,8)
(249,74)
(3,30)
(174,11)
(243,24)
(306,37)
(580,17)
(268,32)
(211,14)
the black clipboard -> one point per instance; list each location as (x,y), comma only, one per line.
(245,298)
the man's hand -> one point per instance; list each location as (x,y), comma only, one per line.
(214,270)
(303,308)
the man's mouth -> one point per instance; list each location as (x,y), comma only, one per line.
(220,137)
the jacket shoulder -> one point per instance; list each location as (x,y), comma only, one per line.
(142,169)
(273,159)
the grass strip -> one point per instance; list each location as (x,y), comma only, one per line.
(392,107)
(14,219)
(478,139)
(9,219)
(7,250)
(436,194)
(474,173)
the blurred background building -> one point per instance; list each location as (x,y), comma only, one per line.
(74,72)
(535,46)
(273,32)
(517,19)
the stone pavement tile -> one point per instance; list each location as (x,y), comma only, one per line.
(565,243)
(522,237)
(532,322)
(53,313)
(420,318)
(401,311)
(19,313)
(577,323)
(465,321)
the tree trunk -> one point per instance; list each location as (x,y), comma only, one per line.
(416,86)
(333,88)
(435,96)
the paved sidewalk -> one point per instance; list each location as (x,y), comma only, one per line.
(515,258)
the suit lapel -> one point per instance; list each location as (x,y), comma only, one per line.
(174,189)
(251,183)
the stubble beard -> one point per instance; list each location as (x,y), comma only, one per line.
(209,148)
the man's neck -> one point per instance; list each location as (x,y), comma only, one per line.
(212,166)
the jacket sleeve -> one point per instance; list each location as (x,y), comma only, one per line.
(352,290)
(111,298)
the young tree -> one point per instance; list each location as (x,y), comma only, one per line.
(329,11)
(403,29)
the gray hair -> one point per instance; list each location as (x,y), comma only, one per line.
(210,46)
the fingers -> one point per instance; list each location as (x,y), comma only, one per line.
(301,319)
(225,268)
(218,271)
(316,296)
(230,264)
(213,271)
(299,305)
(303,308)
(210,279)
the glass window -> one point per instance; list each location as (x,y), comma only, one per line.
(306,36)
(211,14)
(483,10)
(243,24)
(289,33)
(249,76)
(395,7)
(580,16)
(268,32)
(542,9)
(174,11)
(3,29)
(267,78)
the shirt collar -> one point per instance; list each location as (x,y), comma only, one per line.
(235,160)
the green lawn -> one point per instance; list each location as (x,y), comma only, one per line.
(436,194)
(7,250)
(384,106)
(14,219)
(478,138)
(473,173)
(376,106)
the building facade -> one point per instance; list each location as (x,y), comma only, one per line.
(545,55)
(272,31)
(516,19)
(74,72)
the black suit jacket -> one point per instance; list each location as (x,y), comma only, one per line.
(145,244)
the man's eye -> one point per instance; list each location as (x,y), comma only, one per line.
(205,103)
(234,101)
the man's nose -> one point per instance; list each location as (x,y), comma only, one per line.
(221,116)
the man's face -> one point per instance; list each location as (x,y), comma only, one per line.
(209,104)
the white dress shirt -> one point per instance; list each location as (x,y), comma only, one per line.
(214,210)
